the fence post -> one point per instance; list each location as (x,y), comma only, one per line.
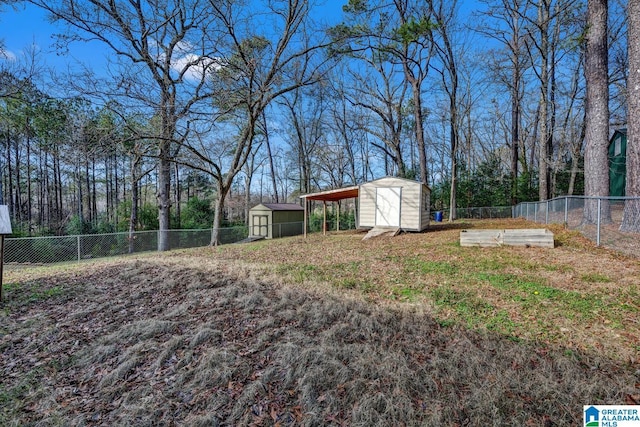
(566,211)
(598,229)
(546,218)
(79,252)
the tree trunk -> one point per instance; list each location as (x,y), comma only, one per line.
(419,128)
(543,156)
(87,182)
(596,164)
(133,218)
(177,195)
(553,47)
(94,192)
(18,196)
(107,183)
(29,189)
(515,104)
(515,135)
(218,214)
(631,217)
(272,169)
(80,206)
(41,196)
(2,168)
(164,196)
(575,156)
(10,177)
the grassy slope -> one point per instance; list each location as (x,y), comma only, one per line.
(575,295)
(324,331)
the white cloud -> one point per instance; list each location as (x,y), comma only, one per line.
(184,61)
(7,55)
(195,67)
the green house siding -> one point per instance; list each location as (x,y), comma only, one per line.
(618,163)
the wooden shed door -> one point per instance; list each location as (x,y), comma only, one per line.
(260,225)
(388,207)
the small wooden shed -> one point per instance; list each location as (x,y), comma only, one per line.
(272,220)
(394,202)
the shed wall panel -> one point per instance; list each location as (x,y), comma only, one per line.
(287,216)
(411,196)
(367,206)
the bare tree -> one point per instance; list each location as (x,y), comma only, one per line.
(165,55)
(506,19)
(254,70)
(543,45)
(597,111)
(414,52)
(444,14)
(380,87)
(272,170)
(305,132)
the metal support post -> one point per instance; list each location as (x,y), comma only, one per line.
(546,218)
(598,230)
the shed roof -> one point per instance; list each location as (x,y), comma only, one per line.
(282,206)
(396,178)
(334,195)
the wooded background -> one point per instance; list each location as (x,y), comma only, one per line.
(209,107)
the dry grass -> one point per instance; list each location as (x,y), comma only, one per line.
(575,295)
(325,331)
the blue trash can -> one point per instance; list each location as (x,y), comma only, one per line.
(438,216)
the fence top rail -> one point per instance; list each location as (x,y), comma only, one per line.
(473,207)
(622,198)
(125,233)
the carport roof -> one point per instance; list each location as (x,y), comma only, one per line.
(334,195)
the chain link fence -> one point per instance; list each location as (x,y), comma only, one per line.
(485,212)
(47,250)
(601,219)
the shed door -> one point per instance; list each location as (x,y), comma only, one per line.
(260,225)
(388,207)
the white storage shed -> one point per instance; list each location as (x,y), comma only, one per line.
(394,202)
(384,202)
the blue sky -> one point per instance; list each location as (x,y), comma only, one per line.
(25,26)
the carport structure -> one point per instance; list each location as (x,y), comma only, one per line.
(328,196)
